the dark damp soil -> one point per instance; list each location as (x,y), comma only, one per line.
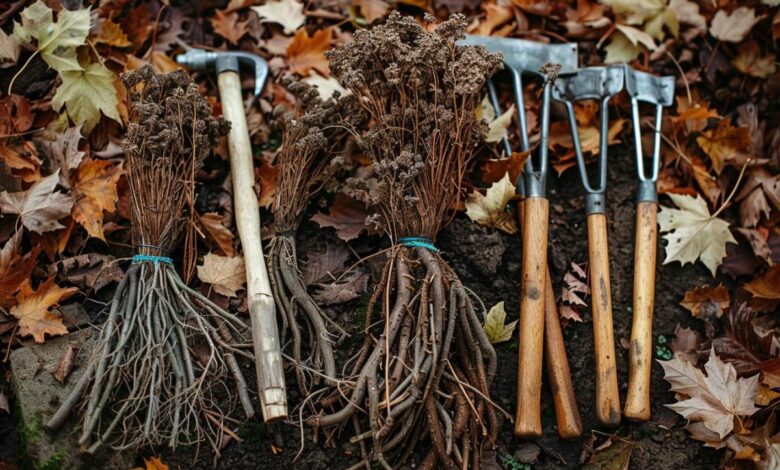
(489,264)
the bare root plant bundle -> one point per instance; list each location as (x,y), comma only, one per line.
(161,367)
(313,137)
(426,365)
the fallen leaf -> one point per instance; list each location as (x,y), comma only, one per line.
(153,463)
(766,288)
(66,364)
(90,271)
(576,283)
(614,456)
(306,53)
(757,193)
(490,209)
(693,233)
(322,265)
(685,344)
(494,169)
(221,235)
(226,274)
(85,93)
(228,25)
(15,267)
(56,42)
(326,87)
(288,13)
(372,10)
(112,34)
(9,50)
(64,152)
(496,15)
(40,207)
(707,302)
(95,191)
(734,26)
(269,181)
(724,144)
(497,127)
(688,13)
(750,61)
(350,287)
(715,399)
(624,45)
(346,215)
(496,328)
(567,312)
(34,310)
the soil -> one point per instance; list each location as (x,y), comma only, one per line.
(489,264)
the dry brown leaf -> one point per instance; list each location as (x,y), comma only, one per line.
(495,169)
(226,274)
(269,176)
(221,235)
(716,399)
(750,61)
(306,53)
(766,288)
(228,25)
(40,207)
(373,10)
(111,34)
(685,344)
(15,267)
(66,364)
(495,16)
(288,13)
(346,215)
(707,302)
(734,26)
(95,191)
(34,310)
(724,144)
(490,209)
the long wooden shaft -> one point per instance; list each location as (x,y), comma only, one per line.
(607,396)
(262,313)
(528,420)
(641,349)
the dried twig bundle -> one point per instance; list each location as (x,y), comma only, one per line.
(158,370)
(313,137)
(426,365)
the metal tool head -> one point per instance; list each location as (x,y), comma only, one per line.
(524,57)
(591,83)
(658,91)
(224,61)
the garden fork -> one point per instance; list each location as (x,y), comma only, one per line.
(523,57)
(597,83)
(658,91)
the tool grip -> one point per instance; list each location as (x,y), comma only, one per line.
(265,334)
(528,420)
(607,397)
(566,412)
(641,349)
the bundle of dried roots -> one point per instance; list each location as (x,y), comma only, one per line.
(160,367)
(426,365)
(313,138)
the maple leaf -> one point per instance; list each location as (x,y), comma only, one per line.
(734,26)
(715,399)
(56,42)
(306,53)
(64,152)
(750,61)
(34,310)
(743,346)
(495,169)
(40,207)
(765,289)
(724,143)
(490,209)
(495,15)
(497,127)
(85,93)
(707,302)
(692,233)
(575,285)
(222,236)
(288,13)
(226,274)
(759,190)
(685,344)
(112,34)
(15,267)
(228,26)
(344,289)
(688,13)
(496,328)
(625,45)
(346,215)
(95,192)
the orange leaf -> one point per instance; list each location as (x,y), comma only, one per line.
(767,286)
(15,268)
(269,175)
(228,26)
(706,301)
(153,463)
(112,35)
(495,16)
(372,10)
(95,188)
(307,53)
(35,318)
(495,169)
(222,236)
(724,143)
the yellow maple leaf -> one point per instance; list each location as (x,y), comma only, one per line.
(496,328)
(34,310)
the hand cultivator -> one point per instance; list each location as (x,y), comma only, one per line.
(528,58)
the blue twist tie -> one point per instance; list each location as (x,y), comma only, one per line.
(154,259)
(421,242)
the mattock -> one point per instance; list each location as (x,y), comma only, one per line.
(658,91)
(597,83)
(262,310)
(540,330)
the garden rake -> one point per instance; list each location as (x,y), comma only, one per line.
(537,302)
(597,83)
(658,91)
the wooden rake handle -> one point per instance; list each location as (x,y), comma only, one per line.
(641,350)
(607,397)
(566,411)
(528,419)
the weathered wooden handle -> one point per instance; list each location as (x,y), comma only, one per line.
(262,313)
(641,349)
(528,420)
(607,396)
(566,411)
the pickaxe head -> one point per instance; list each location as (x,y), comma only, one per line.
(224,61)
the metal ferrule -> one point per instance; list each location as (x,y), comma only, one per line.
(595,203)
(646,192)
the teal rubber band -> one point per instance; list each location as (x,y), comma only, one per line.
(420,242)
(151,258)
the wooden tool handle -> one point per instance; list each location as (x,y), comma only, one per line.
(566,411)
(528,420)
(607,397)
(262,311)
(641,350)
